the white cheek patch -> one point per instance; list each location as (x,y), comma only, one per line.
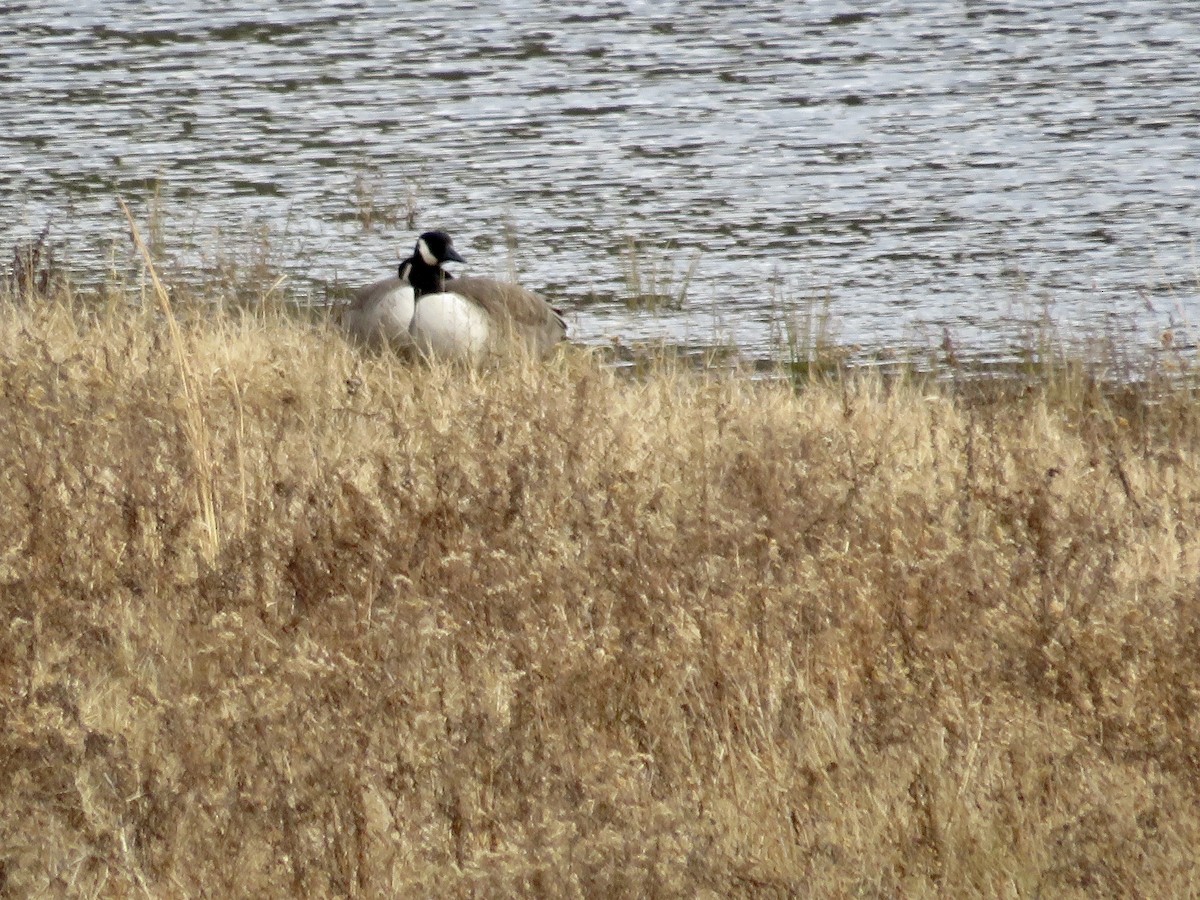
(426,253)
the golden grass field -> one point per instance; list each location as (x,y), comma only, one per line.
(283,618)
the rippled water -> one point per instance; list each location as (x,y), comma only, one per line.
(922,164)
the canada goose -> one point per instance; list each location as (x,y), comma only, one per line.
(459,318)
(381,313)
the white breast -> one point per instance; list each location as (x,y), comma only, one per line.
(450,326)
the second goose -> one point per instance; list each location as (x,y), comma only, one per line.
(461,318)
(381,314)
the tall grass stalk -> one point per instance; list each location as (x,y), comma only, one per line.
(196,425)
(651,280)
(806,337)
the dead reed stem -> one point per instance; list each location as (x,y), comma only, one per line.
(196,426)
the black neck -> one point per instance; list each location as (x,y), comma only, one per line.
(424,278)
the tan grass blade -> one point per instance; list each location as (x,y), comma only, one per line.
(197,426)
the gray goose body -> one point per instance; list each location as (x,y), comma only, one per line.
(509,312)
(380,314)
(466,317)
(425,308)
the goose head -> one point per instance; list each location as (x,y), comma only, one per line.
(423,270)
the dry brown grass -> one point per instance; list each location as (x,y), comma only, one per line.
(397,631)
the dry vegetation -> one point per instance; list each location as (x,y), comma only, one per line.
(280,618)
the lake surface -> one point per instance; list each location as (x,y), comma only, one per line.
(920,166)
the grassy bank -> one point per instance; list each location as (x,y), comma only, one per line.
(281,618)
